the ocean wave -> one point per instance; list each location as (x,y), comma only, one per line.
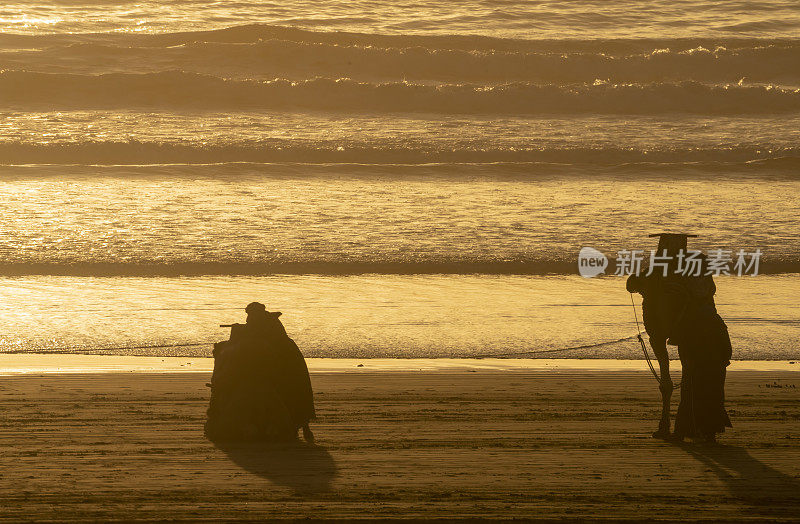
(726,160)
(252,33)
(293,59)
(181,90)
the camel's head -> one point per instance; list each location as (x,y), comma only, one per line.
(636,284)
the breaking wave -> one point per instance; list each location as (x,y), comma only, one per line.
(252,33)
(177,90)
(515,159)
(428,59)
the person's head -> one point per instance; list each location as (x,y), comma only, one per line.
(258,315)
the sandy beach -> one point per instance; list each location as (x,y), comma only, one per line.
(555,444)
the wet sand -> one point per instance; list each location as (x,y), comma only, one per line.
(63,363)
(434,444)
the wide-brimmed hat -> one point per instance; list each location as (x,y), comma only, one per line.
(258,307)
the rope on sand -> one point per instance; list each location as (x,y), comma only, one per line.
(84,349)
(548,351)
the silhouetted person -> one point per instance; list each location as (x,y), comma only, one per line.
(261,389)
(705,351)
(288,367)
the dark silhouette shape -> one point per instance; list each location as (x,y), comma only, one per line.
(704,347)
(658,315)
(306,468)
(768,491)
(289,372)
(679,309)
(260,388)
(656,318)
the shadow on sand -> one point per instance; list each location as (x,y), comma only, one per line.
(306,468)
(768,491)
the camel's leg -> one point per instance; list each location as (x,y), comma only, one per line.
(660,349)
(307,434)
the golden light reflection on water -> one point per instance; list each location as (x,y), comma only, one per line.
(376,315)
(511,19)
(327,216)
(26,21)
(389,137)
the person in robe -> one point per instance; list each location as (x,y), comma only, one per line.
(260,387)
(705,350)
(289,372)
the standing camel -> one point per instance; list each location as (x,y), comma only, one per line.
(659,314)
(657,321)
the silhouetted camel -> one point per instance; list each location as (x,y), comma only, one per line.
(657,319)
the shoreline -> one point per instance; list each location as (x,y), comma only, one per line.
(46,364)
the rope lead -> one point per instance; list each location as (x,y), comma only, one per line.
(644,346)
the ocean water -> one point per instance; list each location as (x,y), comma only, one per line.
(409,179)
